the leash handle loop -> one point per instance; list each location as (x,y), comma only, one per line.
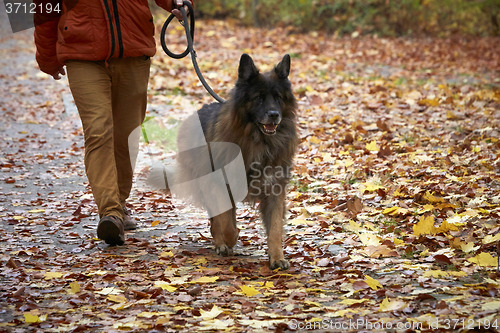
(189,29)
(184,23)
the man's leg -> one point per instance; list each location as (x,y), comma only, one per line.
(130,78)
(90,84)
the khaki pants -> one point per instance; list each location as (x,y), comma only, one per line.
(111,101)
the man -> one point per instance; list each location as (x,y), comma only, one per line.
(106,47)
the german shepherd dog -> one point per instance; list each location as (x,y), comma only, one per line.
(260,119)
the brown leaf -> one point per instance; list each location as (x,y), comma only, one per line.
(11,264)
(196,290)
(354,205)
(382,125)
(359,285)
(324,262)
(442,259)
(348,138)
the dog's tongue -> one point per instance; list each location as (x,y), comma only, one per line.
(270,127)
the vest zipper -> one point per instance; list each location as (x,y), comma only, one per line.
(118,29)
(111,30)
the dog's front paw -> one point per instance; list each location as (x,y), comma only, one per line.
(282,264)
(224,250)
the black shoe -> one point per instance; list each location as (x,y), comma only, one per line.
(110,230)
(128,221)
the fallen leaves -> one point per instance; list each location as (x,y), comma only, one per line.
(443,274)
(425,226)
(372,283)
(74,287)
(206,279)
(31,318)
(393,206)
(249,290)
(165,286)
(394,305)
(53,275)
(213,313)
(484,259)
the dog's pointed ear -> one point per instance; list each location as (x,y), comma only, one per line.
(247,68)
(283,68)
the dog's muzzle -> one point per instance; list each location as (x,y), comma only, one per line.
(271,121)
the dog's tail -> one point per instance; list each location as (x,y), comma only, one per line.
(161,175)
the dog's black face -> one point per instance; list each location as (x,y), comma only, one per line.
(263,96)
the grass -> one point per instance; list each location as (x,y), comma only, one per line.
(159,133)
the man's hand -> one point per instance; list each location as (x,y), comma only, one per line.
(57,74)
(177,12)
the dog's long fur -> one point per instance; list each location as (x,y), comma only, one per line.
(259,117)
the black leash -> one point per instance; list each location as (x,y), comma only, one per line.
(190,49)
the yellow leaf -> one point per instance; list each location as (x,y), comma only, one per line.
(395,211)
(75,287)
(372,283)
(155,223)
(491,239)
(439,274)
(372,146)
(167,254)
(399,192)
(349,301)
(484,259)
(445,227)
(334,119)
(398,241)
(36,211)
(426,208)
(431,198)
(249,290)
(353,226)
(425,226)
(18,217)
(206,279)
(165,286)
(390,210)
(387,305)
(369,239)
(52,275)
(146,314)
(200,261)
(469,247)
(370,186)
(429,102)
(311,303)
(31,318)
(268,285)
(314,139)
(491,306)
(424,253)
(117,298)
